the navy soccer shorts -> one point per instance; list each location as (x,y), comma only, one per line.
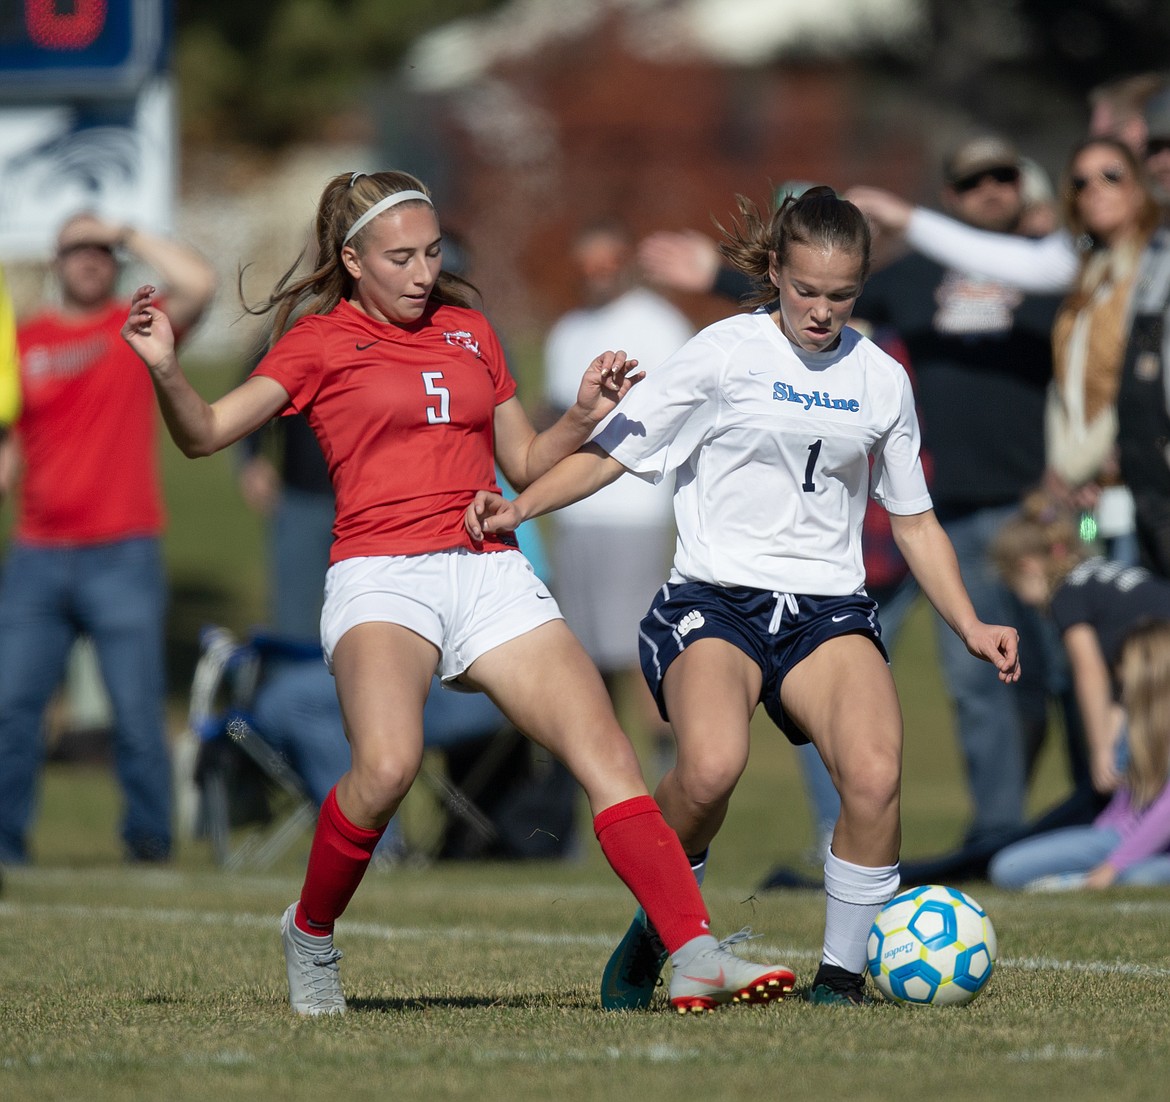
(775,630)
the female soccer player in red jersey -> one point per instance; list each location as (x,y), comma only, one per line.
(406,388)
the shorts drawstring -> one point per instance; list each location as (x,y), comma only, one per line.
(783,600)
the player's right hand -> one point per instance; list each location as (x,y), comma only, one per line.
(490,512)
(148,330)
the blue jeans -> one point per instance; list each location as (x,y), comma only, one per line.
(116,594)
(987,712)
(301,536)
(1071,850)
(297,714)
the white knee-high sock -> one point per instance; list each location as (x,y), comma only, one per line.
(855,894)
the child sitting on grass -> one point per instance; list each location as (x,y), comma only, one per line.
(1114,622)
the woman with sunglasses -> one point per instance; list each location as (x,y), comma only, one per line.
(1108,413)
(1109,209)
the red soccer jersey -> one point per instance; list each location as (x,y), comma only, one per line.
(404,416)
(88,431)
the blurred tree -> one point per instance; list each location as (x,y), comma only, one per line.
(270,72)
(1073,43)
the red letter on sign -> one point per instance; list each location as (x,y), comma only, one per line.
(64,24)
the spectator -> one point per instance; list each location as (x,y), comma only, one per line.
(604,607)
(982,361)
(1110,338)
(1119,108)
(86,557)
(1113,621)
(9,359)
(1157,145)
(1040,215)
(9,386)
(1134,110)
(1129,842)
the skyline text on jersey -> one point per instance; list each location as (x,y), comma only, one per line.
(783,392)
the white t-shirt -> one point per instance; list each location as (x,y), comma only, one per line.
(645,326)
(770,447)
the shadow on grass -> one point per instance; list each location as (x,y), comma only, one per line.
(424,1003)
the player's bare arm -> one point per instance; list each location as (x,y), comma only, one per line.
(573,478)
(1093,687)
(931,559)
(198,428)
(524,454)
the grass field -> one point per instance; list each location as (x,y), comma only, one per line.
(474,981)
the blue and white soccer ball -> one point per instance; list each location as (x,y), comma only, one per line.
(931,946)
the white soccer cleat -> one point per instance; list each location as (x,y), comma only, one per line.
(314,980)
(715,976)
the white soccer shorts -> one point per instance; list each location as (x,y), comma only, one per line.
(465,602)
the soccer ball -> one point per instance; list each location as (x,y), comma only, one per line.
(931,946)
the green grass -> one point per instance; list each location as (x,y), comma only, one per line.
(480,980)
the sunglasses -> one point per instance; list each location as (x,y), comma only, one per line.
(1004,175)
(1111,177)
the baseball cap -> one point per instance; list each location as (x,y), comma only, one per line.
(1157,115)
(979,154)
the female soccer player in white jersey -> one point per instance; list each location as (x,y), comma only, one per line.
(769,423)
(407,391)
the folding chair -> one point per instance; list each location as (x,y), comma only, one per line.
(225,731)
(219,718)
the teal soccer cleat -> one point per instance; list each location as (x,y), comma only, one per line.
(833,986)
(633,972)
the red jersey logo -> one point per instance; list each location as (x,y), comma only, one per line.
(461,338)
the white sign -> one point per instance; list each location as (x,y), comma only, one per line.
(113,157)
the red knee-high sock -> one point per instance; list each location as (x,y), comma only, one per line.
(337,862)
(649,858)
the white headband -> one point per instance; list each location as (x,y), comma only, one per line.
(384,205)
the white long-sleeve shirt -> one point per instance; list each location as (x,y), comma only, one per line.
(1042,265)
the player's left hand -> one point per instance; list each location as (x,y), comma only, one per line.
(998,645)
(606,382)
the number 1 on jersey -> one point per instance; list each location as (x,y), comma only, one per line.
(442,415)
(814,450)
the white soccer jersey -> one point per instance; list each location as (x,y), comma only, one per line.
(771,450)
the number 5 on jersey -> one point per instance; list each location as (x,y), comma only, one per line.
(442,414)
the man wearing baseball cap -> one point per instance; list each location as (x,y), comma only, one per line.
(86,556)
(983,183)
(981,356)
